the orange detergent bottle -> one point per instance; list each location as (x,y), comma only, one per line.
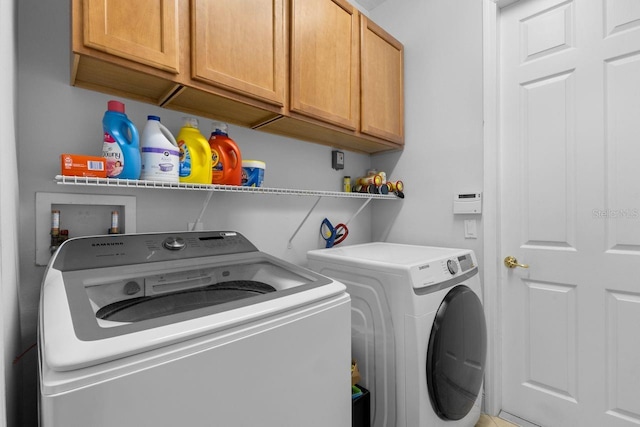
(226,160)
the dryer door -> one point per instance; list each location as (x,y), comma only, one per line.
(456,354)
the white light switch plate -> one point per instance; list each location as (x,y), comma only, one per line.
(470,229)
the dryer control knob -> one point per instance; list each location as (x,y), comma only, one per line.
(452,266)
(174,243)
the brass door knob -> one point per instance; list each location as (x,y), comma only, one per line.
(512,262)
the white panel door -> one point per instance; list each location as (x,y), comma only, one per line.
(570,209)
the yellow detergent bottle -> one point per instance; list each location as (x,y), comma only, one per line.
(195,154)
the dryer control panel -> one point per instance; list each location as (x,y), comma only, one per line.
(440,273)
(458,264)
(452,266)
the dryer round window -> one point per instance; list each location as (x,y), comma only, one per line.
(457,354)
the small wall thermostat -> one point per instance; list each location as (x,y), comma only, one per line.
(337,159)
(467,203)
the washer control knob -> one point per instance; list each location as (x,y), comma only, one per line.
(174,243)
(452,266)
(132,288)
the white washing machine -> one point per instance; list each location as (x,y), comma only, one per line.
(418,330)
(190,329)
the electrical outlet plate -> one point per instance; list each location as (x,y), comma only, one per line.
(337,159)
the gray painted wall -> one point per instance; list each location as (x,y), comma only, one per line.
(443,121)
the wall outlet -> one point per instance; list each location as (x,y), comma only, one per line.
(337,159)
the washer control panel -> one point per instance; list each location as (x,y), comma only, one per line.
(174,243)
(127,249)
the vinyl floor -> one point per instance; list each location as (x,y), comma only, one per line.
(488,421)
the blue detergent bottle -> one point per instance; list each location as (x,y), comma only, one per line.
(121,147)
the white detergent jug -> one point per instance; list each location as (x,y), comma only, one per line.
(160,153)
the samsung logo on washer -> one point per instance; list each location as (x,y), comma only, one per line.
(423,267)
(108,244)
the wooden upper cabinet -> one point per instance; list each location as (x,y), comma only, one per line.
(144,31)
(240,45)
(324,61)
(315,70)
(382,84)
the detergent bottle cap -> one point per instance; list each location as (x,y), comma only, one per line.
(191,122)
(153,118)
(220,128)
(116,106)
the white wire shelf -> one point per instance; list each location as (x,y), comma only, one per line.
(134,183)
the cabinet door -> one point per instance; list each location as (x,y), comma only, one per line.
(382,84)
(144,31)
(240,45)
(324,61)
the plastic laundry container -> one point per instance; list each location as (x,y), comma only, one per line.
(361,409)
(253,173)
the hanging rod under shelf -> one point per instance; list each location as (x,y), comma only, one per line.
(133,183)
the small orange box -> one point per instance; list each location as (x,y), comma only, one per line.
(81,165)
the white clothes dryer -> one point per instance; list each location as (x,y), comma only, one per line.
(189,329)
(418,330)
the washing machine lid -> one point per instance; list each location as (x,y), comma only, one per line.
(456,354)
(106,296)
